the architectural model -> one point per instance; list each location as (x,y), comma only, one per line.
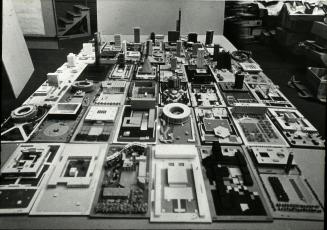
(71,187)
(231,186)
(289,192)
(24,174)
(255,127)
(124,190)
(176,124)
(297,130)
(216,124)
(178,193)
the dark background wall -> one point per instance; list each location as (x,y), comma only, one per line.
(63,5)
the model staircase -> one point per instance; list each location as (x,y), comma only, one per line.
(75,24)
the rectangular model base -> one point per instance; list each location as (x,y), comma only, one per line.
(71,187)
(232,190)
(130,190)
(178,194)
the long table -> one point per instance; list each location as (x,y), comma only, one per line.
(312,165)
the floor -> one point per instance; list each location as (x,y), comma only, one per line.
(278,64)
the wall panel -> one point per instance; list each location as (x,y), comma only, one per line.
(15,56)
(159,16)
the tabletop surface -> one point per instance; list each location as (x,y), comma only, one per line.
(312,164)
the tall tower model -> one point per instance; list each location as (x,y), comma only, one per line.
(146,67)
(200,58)
(137,34)
(179,48)
(149,47)
(209,37)
(178,21)
(117,38)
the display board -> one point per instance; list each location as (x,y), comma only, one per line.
(15,55)
(120,16)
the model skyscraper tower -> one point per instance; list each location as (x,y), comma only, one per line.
(137,34)
(179,48)
(146,67)
(149,47)
(117,38)
(200,58)
(209,37)
(178,22)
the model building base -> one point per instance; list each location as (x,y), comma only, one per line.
(199,76)
(222,75)
(158,56)
(123,191)
(47,94)
(297,130)
(23,175)
(124,73)
(289,193)
(132,56)
(109,99)
(231,187)
(84,91)
(206,95)
(146,76)
(113,92)
(237,97)
(170,131)
(250,67)
(166,72)
(299,203)
(143,94)
(270,95)
(58,126)
(178,193)
(257,78)
(215,124)
(255,127)
(22,122)
(174,91)
(97,125)
(137,125)
(50,92)
(271,159)
(71,187)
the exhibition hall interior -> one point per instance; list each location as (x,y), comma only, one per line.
(163,114)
